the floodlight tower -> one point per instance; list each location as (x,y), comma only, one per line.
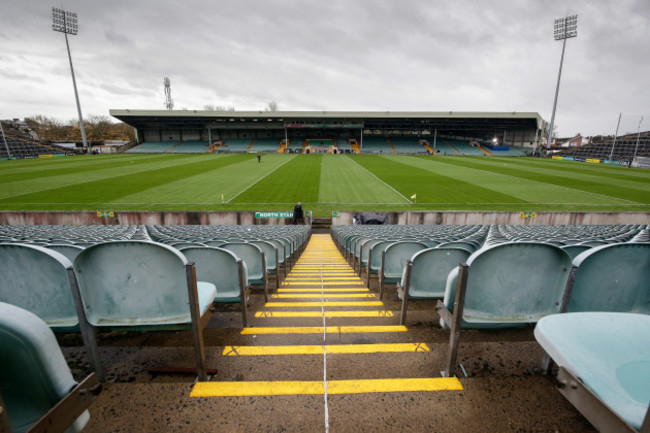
(66,23)
(169,102)
(565,28)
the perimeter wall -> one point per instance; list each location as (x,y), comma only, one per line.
(248,218)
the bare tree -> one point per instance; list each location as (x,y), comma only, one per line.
(271,106)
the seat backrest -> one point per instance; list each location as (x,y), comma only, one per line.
(397,254)
(511,283)
(69,251)
(131,283)
(217,266)
(34,374)
(574,250)
(250,254)
(281,249)
(269,252)
(375,251)
(612,278)
(430,270)
(36,279)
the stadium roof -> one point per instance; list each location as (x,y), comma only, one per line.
(448,121)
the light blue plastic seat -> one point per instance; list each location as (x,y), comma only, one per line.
(226,271)
(34,376)
(374,259)
(271,257)
(613,278)
(425,275)
(574,250)
(38,280)
(144,285)
(503,286)
(511,284)
(609,354)
(393,261)
(69,251)
(255,261)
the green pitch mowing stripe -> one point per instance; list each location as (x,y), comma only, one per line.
(297,180)
(429,186)
(121,185)
(341,181)
(593,188)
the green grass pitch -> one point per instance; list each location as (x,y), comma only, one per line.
(324,183)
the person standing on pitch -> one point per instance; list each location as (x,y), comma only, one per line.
(298,214)
(259,157)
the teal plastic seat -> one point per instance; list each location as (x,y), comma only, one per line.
(34,375)
(511,284)
(223,269)
(37,279)
(144,285)
(425,275)
(374,258)
(393,261)
(255,261)
(574,250)
(69,251)
(609,354)
(271,257)
(613,278)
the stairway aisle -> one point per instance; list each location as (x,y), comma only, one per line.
(337,334)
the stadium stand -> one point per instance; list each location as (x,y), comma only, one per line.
(603,366)
(154,147)
(36,385)
(25,147)
(376,145)
(236,145)
(623,149)
(343,145)
(266,145)
(464,147)
(408,146)
(191,146)
(505,151)
(393,261)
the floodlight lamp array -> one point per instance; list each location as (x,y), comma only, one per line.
(566,27)
(64,21)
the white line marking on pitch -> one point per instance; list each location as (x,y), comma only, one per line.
(243,190)
(375,176)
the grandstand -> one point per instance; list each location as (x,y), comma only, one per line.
(26,147)
(622,150)
(375,132)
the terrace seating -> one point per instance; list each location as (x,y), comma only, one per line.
(271,257)
(393,261)
(375,253)
(503,286)
(425,275)
(226,271)
(154,147)
(236,145)
(408,146)
(604,366)
(376,145)
(465,148)
(137,285)
(612,278)
(266,145)
(191,146)
(37,387)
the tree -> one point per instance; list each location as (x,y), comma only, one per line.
(271,106)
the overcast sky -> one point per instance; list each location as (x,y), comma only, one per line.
(396,55)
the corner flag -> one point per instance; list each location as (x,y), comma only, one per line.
(413,196)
